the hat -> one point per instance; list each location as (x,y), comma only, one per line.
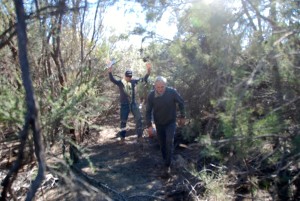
(128,73)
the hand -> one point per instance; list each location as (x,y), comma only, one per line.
(109,64)
(113,62)
(181,121)
(109,69)
(148,65)
(150,132)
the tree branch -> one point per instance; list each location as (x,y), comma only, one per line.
(31,120)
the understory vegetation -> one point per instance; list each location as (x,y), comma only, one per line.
(236,63)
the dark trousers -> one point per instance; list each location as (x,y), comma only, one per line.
(124,113)
(165,135)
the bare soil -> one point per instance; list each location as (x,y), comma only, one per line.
(108,170)
(130,171)
(133,171)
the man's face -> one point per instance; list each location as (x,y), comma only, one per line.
(160,87)
(127,78)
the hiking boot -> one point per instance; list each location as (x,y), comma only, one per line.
(122,141)
(166,173)
(140,141)
(168,170)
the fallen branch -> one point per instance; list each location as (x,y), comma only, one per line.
(240,138)
(136,197)
(105,188)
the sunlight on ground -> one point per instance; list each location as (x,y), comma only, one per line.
(108,132)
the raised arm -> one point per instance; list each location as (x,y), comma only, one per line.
(148,66)
(111,77)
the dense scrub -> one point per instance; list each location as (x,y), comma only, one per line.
(237,69)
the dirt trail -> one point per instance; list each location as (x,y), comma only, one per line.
(130,170)
(118,172)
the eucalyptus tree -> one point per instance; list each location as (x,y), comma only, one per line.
(237,61)
(31,120)
(265,99)
(64,54)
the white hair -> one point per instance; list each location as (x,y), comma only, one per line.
(161,79)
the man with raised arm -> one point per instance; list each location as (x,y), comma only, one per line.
(127,100)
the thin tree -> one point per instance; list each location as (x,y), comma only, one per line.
(31,117)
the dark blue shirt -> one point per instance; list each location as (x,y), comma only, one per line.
(124,97)
(164,107)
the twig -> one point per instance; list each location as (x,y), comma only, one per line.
(145,196)
(238,138)
(7,182)
(96,183)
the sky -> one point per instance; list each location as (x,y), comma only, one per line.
(121,22)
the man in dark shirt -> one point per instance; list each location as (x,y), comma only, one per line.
(162,103)
(127,100)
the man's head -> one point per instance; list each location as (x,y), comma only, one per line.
(160,85)
(128,75)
